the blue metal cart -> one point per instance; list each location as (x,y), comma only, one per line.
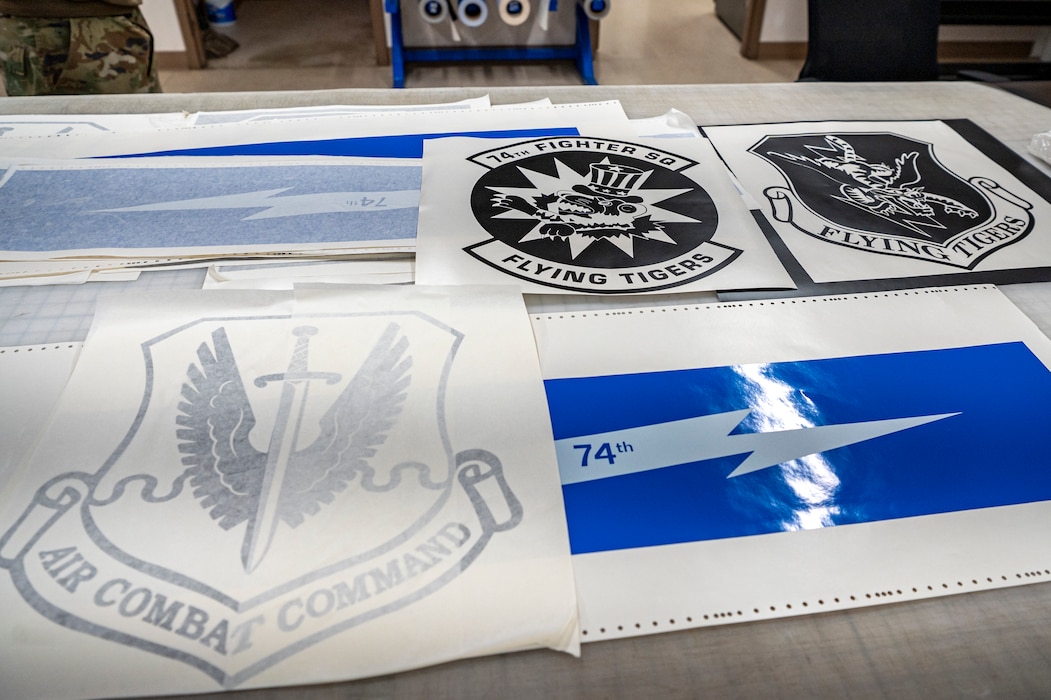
(580,52)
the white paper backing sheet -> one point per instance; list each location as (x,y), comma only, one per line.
(330,129)
(31,380)
(588,215)
(810,563)
(244,489)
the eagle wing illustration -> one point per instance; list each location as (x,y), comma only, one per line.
(906,170)
(351,430)
(226,471)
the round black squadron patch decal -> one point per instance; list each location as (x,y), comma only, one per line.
(595,215)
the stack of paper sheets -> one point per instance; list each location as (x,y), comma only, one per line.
(458,384)
(102,192)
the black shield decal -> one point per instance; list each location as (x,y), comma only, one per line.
(882,183)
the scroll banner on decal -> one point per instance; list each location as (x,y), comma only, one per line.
(514,12)
(434,11)
(595,9)
(473,13)
(116,596)
(1011,219)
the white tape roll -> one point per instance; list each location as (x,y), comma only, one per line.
(595,9)
(434,11)
(472,13)
(514,12)
(543,14)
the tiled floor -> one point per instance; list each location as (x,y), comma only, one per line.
(320,44)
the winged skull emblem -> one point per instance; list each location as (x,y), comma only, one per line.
(236,482)
(883,189)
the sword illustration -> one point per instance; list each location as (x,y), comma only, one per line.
(283,439)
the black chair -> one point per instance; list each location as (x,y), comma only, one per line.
(1009,75)
(871,40)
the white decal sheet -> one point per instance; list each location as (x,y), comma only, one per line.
(283,113)
(14,126)
(388,134)
(887,200)
(281,274)
(745,461)
(31,380)
(588,215)
(245,489)
(37,125)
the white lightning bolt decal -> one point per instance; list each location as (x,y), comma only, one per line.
(707,437)
(291,205)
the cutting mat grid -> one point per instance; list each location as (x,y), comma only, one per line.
(63,313)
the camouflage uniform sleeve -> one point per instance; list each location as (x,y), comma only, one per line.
(78,55)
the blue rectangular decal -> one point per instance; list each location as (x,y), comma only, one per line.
(392,146)
(91,208)
(700,454)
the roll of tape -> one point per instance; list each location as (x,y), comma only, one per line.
(472,13)
(514,12)
(595,9)
(434,11)
(543,13)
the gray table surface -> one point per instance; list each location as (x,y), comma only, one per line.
(993,644)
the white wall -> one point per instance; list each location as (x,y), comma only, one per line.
(164,23)
(784,21)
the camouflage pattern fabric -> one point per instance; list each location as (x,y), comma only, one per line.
(77,55)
